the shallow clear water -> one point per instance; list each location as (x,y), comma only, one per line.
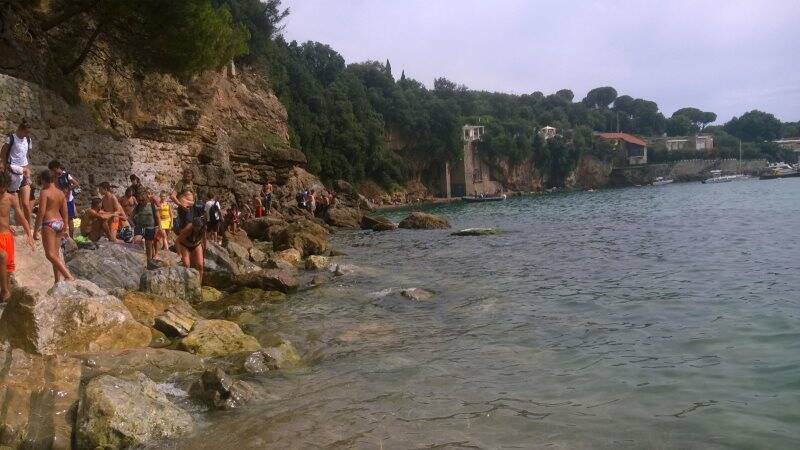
(658,317)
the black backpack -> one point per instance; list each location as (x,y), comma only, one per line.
(11,144)
(214,214)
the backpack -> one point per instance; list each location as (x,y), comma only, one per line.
(63,181)
(214,214)
(11,144)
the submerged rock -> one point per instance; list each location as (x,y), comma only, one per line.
(417,294)
(118,413)
(72,319)
(477,232)
(36,392)
(219,391)
(316,262)
(159,364)
(218,338)
(173,283)
(421,220)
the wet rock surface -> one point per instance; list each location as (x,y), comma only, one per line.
(217,338)
(122,413)
(218,390)
(269,279)
(377,223)
(477,232)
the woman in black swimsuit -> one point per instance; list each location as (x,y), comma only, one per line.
(191,243)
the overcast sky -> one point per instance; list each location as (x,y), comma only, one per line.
(726,56)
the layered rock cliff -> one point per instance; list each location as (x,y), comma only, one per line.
(228,126)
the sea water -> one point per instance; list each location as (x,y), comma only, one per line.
(654,317)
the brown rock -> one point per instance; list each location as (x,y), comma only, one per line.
(377,223)
(73,322)
(421,220)
(343,217)
(270,280)
(305,236)
(218,338)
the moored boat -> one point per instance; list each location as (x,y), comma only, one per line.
(483,198)
(660,181)
(779,170)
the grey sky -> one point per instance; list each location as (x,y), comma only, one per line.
(726,56)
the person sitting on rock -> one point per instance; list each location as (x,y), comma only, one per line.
(94,221)
(52,219)
(129,201)
(191,243)
(184,196)
(9,202)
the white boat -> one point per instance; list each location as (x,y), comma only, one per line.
(660,181)
(718,177)
(779,170)
(483,198)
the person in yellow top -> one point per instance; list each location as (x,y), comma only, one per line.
(165,217)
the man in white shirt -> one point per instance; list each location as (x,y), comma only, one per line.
(14,158)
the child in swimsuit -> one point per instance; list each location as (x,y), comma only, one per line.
(145,217)
(190,244)
(51,220)
(165,218)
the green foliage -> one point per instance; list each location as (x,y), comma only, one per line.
(754,126)
(698,119)
(261,18)
(180,37)
(600,98)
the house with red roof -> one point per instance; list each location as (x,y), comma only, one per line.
(626,146)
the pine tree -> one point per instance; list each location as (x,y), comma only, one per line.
(389,69)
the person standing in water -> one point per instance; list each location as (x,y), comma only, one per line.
(14,158)
(9,202)
(52,219)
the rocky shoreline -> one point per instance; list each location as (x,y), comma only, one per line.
(126,357)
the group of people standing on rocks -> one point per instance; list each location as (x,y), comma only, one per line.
(317,204)
(138,217)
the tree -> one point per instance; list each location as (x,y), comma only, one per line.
(678,125)
(182,37)
(754,126)
(600,98)
(566,94)
(699,119)
(262,18)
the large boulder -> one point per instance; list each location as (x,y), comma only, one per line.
(263,228)
(173,283)
(305,236)
(240,238)
(425,221)
(269,279)
(218,338)
(221,267)
(75,317)
(113,267)
(343,217)
(291,256)
(377,223)
(120,413)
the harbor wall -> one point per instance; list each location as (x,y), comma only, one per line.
(682,171)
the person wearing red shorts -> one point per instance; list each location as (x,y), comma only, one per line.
(9,202)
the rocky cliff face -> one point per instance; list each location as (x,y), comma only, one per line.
(228,126)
